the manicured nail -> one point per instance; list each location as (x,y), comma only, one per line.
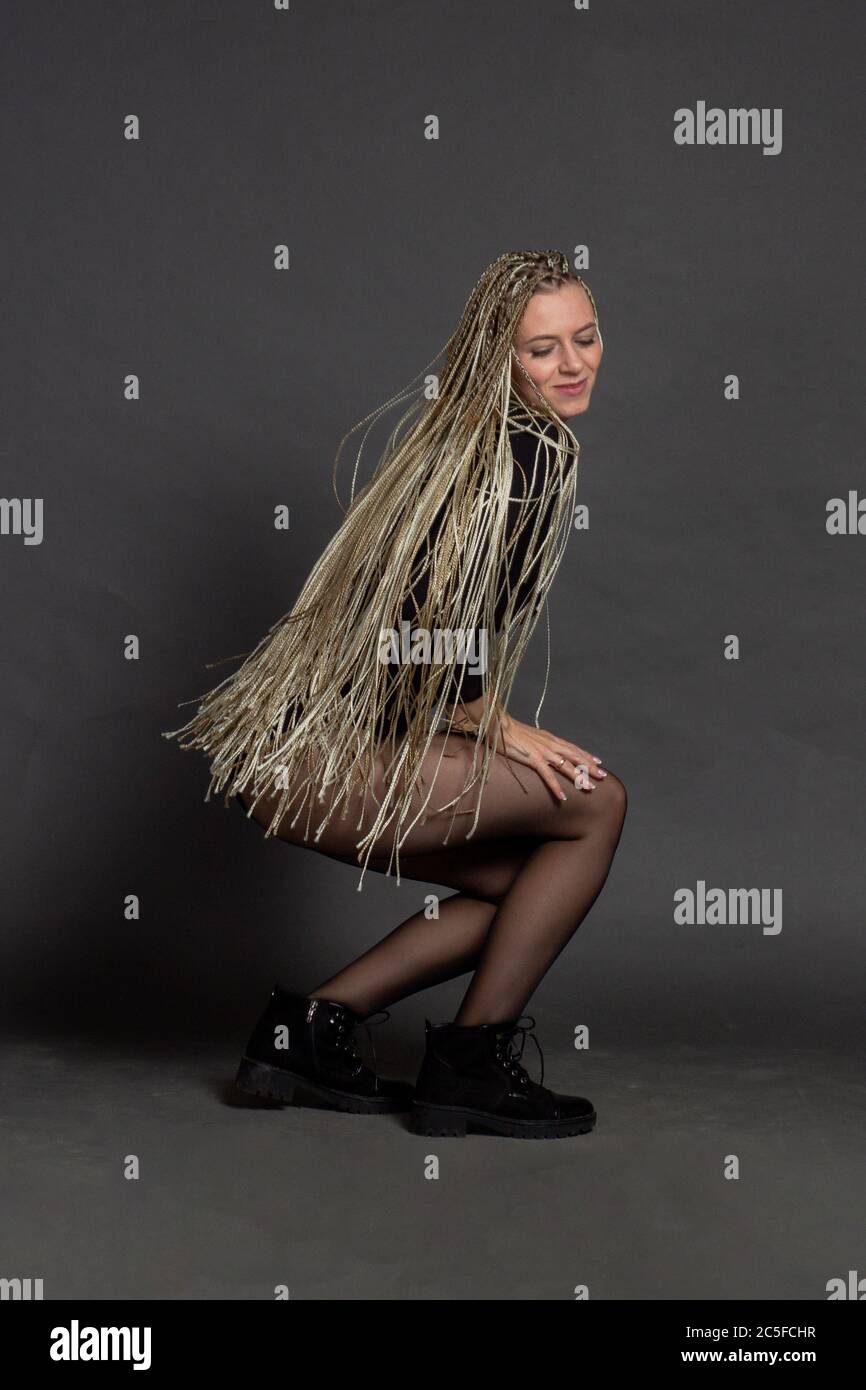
(598,760)
(562,795)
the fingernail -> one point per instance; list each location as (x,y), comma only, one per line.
(562,795)
(604,774)
(598,760)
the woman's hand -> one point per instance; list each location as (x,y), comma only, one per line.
(547,754)
(536,748)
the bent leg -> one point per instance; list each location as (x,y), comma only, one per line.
(424,951)
(520,827)
(510,943)
(540,913)
(421,952)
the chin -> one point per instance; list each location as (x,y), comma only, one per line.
(568,408)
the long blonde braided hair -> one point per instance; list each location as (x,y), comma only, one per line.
(314,694)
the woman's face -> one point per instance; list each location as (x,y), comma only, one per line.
(558,343)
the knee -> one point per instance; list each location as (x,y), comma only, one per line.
(601,811)
(615,798)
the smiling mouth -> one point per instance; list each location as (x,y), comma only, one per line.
(573,385)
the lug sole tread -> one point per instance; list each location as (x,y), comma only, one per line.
(291,1088)
(454,1122)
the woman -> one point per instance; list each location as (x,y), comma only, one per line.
(402,752)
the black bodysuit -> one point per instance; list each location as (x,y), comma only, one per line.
(529,455)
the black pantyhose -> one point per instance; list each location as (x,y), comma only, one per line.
(526,880)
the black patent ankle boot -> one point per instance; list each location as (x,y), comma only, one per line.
(304,1051)
(472,1079)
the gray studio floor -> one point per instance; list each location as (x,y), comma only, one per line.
(234,1199)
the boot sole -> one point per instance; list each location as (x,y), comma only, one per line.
(454,1122)
(289,1088)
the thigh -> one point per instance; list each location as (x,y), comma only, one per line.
(514,804)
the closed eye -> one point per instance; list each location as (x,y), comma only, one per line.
(544,352)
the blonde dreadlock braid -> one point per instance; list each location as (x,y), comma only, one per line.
(314,688)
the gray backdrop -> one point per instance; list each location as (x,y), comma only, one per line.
(154,257)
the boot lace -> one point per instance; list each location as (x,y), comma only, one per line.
(510,1056)
(346,1042)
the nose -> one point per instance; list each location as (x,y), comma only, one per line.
(572,360)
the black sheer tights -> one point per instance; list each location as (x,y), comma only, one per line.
(525,880)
